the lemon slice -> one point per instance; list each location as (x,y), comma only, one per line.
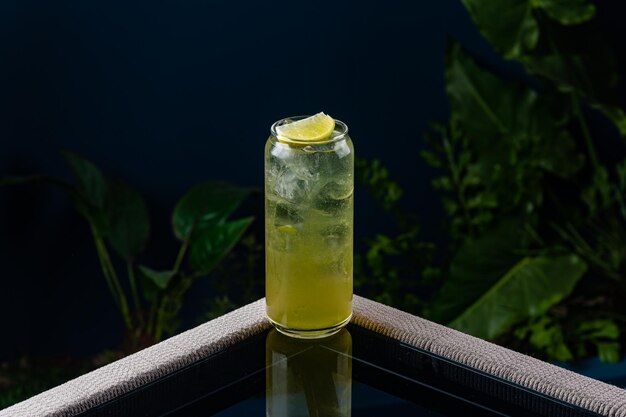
(314,128)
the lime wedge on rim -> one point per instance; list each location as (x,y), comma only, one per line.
(314,128)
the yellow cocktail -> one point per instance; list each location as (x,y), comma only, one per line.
(308,227)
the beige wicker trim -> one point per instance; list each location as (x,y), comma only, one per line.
(540,376)
(122,376)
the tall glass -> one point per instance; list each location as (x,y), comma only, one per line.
(308,232)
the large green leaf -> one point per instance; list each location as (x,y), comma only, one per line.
(486,106)
(508,24)
(91,191)
(211,244)
(477,266)
(574,58)
(205,205)
(579,60)
(504,120)
(483,104)
(528,289)
(127,219)
(588,71)
(511,25)
(91,182)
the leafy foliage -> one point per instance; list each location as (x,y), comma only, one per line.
(513,26)
(536,219)
(22,379)
(556,40)
(118,217)
(533,213)
(239,278)
(386,272)
(376,176)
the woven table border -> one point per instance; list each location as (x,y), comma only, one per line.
(120,377)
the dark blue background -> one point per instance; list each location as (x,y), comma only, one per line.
(165,94)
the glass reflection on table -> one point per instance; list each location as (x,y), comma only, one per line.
(309,377)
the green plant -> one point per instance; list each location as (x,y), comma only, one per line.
(395,269)
(536,218)
(239,279)
(26,377)
(119,220)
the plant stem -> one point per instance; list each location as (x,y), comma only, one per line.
(180,256)
(156,317)
(585,251)
(152,317)
(620,201)
(456,180)
(593,155)
(133,289)
(105,262)
(158,331)
(107,277)
(579,115)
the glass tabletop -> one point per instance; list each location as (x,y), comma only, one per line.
(356,372)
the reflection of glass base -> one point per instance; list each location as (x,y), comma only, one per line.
(310,334)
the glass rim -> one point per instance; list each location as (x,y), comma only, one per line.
(339,125)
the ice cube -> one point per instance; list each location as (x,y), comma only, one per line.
(341,149)
(287,215)
(295,181)
(336,235)
(338,266)
(288,222)
(333,197)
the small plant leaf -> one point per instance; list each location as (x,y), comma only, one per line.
(160,278)
(608,352)
(90,192)
(375,177)
(598,329)
(211,244)
(91,182)
(153,282)
(127,220)
(546,336)
(205,205)
(567,12)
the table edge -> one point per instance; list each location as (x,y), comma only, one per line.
(109,382)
